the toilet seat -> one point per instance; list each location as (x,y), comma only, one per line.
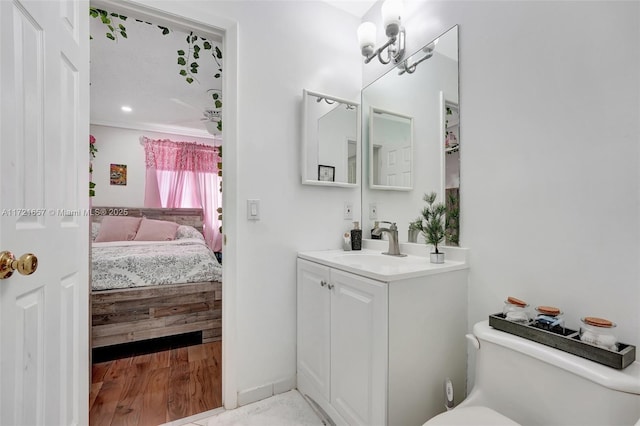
(465,416)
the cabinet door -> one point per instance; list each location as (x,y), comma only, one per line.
(314,308)
(359,312)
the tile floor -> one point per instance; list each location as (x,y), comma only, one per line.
(286,409)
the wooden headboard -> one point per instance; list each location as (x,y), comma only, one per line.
(191,217)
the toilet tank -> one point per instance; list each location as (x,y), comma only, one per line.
(535,384)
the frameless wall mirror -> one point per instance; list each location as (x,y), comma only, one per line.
(390,150)
(330,140)
(423,88)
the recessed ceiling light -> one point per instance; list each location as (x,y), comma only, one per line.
(126,108)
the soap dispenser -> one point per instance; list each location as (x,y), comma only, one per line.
(375,237)
(356,236)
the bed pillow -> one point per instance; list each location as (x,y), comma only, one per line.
(95,228)
(186,231)
(156,230)
(118,228)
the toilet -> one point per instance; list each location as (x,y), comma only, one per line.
(518,381)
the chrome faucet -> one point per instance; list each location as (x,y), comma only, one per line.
(392,231)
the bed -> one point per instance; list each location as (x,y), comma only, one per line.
(150,289)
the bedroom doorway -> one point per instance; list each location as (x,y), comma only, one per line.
(197,369)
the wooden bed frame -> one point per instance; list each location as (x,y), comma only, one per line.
(141,313)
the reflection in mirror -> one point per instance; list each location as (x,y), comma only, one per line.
(425,88)
(331,140)
(390,150)
(452,171)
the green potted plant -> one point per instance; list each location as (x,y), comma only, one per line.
(433,227)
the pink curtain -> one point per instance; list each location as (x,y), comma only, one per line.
(185,174)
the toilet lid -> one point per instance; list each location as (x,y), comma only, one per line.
(465,416)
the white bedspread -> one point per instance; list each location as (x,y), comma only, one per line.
(123,264)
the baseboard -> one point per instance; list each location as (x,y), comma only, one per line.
(258,393)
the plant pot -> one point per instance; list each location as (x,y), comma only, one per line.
(437,257)
(413,235)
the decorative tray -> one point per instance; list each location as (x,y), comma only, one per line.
(567,340)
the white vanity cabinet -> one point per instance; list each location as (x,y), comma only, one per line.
(342,343)
(371,352)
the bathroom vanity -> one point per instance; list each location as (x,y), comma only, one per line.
(378,335)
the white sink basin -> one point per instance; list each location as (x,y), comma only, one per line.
(374,264)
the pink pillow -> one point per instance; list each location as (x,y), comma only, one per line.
(118,228)
(156,230)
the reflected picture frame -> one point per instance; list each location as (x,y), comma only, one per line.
(326,173)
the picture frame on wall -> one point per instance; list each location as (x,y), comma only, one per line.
(326,173)
(118,174)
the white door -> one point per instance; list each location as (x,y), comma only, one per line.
(314,308)
(359,344)
(44,100)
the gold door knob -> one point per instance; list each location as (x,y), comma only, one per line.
(25,265)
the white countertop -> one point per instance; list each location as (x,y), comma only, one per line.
(373,264)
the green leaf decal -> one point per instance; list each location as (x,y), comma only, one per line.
(181,52)
(218,53)
(181,61)
(183,72)
(207,45)
(123,34)
(218,104)
(110,36)
(189,80)
(196,55)
(217,75)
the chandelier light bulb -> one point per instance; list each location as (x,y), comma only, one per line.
(391,16)
(367,38)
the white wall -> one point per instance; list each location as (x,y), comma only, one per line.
(550,117)
(122,146)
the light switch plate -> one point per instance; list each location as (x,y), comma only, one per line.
(253,209)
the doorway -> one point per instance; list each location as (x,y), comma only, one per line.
(227,31)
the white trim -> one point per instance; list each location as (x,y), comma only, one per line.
(259,393)
(172,130)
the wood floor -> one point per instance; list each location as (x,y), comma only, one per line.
(148,390)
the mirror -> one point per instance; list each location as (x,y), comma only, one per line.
(423,92)
(330,140)
(390,150)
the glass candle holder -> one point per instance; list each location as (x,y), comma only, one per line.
(549,318)
(598,332)
(516,310)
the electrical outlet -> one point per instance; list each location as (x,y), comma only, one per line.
(373,211)
(348,210)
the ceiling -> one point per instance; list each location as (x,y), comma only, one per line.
(355,7)
(141,71)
